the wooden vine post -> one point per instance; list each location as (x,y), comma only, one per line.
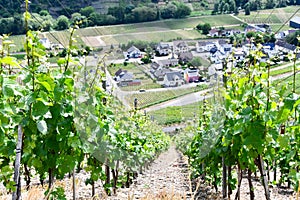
(17,193)
(224,167)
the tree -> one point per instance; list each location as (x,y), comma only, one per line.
(247,9)
(87,11)
(18,25)
(62,23)
(44,13)
(143,14)
(216,8)
(80,20)
(47,25)
(182,10)
(206,28)
(199,27)
(250,34)
(232,6)
(221,6)
(118,13)
(226,8)
(108,19)
(168,11)
(95,19)
(270,4)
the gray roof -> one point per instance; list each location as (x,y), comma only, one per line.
(186,56)
(167,62)
(132,49)
(171,75)
(204,43)
(162,45)
(126,76)
(286,45)
(161,73)
(221,42)
(180,44)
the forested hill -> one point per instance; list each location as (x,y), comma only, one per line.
(62,7)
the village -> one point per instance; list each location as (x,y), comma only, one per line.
(172,63)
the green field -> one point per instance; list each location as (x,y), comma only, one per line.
(19,41)
(270,16)
(156,31)
(177,114)
(163,30)
(147,99)
(152,36)
(288,82)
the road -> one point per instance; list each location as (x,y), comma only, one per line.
(181,101)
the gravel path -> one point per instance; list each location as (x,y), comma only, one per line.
(167,176)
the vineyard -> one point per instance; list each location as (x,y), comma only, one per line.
(249,126)
(60,121)
(56,122)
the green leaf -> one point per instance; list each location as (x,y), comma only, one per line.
(46,85)
(58,91)
(42,126)
(39,109)
(10,61)
(8,91)
(283,141)
(246,111)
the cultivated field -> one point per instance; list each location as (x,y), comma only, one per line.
(149,31)
(274,17)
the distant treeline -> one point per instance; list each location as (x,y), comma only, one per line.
(71,12)
(87,17)
(233,6)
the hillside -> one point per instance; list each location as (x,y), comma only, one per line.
(66,7)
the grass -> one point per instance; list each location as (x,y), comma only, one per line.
(276,16)
(282,71)
(147,99)
(19,41)
(257,17)
(288,83)
(177,114)
(197,13)
(152,36)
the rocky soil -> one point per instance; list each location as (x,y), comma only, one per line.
(166,177)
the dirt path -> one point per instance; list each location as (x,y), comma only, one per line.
(167,176)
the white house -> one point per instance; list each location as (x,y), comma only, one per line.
(214,32)
(173,79)
(133,52)
(202,46)
(164,48)
(238,54)
(180,47)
